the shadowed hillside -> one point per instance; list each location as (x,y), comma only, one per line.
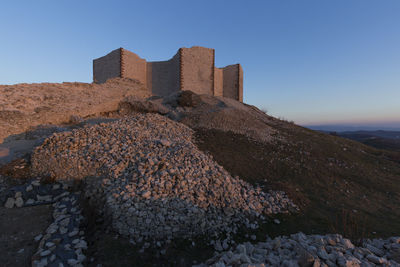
(343,186)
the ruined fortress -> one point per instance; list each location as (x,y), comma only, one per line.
(190,69)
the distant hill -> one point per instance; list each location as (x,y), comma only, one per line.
(389,140)
(353,128)
(379,133)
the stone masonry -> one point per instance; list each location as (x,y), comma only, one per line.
(189,69)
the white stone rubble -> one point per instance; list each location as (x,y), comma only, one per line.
(63,243)
(153,181)
(310,250)
(33,193)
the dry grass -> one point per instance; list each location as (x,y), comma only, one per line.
(350,225)
(323,174)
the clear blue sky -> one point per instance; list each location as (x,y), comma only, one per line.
(321,61)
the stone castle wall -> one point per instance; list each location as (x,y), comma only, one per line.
(240,83)
(232,84)
(197,70)
(107,67)
(190,69)
(163,77)
(218,82)
(133,66)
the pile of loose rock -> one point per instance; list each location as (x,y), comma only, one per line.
(63,242)
(147,175)
(311,250)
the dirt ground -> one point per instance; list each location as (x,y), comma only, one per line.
(18,228)
(26,105)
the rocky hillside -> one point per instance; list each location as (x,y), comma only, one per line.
(206,173)
(340,184)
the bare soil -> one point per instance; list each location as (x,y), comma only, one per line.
(26,105)
(18,228)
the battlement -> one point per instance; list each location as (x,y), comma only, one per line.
(189,69)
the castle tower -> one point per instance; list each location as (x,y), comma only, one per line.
(190,69)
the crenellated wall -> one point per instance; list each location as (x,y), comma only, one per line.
(190,69)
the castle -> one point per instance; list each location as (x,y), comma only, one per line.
(190,69)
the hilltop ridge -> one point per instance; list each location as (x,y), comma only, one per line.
(29,105)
